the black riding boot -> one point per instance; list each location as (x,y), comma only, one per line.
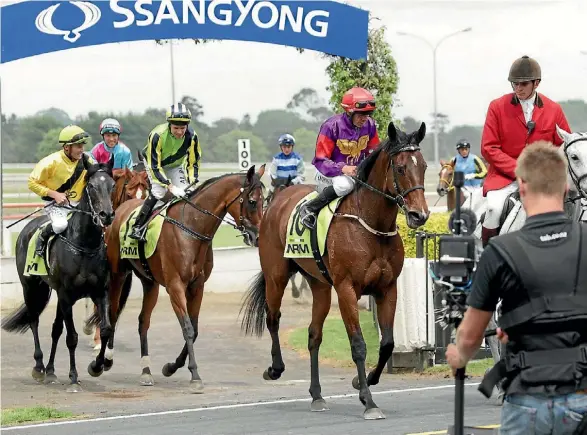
(144,213)
(309,211)
(43,238)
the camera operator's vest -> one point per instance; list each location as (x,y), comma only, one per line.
(555,314)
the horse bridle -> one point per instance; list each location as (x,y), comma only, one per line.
(241,227)
(95,216)
(576,180)
(399,197)
(449,184)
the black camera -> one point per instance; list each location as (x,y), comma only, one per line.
(454,268)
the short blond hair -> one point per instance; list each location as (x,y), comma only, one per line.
(544,168)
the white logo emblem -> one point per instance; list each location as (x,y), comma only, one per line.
(91,12)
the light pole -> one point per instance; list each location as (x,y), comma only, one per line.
(434,49)
(172,72)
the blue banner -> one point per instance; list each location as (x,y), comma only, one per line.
(31,28)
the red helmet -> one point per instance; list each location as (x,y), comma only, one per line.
(358,100)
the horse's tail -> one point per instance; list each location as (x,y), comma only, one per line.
(20,320)
(255,307)
(94,319)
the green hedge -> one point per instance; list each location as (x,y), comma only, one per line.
(437,223)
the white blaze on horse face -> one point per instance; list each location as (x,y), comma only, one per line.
(139,193)
(415,160)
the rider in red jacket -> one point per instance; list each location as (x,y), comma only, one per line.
(513,122)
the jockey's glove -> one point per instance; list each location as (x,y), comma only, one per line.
(177,191)
(469,176)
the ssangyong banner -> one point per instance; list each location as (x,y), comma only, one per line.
(31,28)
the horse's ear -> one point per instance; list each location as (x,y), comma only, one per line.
(250,173)
(86,162)
(563,134)
(139,155)
(421,132)
(392,132)
(442,162)
(261,170)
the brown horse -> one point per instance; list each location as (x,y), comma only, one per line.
(128,185)
(445,185)
(182,261)
(278,185)
(364,256)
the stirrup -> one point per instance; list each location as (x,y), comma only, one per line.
(137,233)
(308,219)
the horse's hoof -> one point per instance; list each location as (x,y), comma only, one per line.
(196,386)
(92,370)
(50,378)
(356,383)
(373,414)
(88,329)
(74,388)
(319,405)
(37,375)
(166,370)
(108,364)
(268,377)
(146,380)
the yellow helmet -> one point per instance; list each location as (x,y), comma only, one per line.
(72,134)
(178,114)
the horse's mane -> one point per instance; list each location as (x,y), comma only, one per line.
(387,146)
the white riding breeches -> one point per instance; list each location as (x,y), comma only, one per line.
(343,184)
(495,203)
(58,216)
(175,175)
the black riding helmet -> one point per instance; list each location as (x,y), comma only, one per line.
(463,143)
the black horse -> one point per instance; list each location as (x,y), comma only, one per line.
(76,268)
(279,184)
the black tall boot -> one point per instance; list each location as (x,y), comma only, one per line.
(309,211)
(43,238)
(147,207)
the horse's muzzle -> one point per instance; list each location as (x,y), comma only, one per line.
(416,219)
(106,217)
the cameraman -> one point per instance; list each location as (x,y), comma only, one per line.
(540,274)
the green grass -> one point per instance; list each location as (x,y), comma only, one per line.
(16,170)
(33,414)
(335,348)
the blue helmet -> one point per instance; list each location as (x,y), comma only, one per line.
(286,139)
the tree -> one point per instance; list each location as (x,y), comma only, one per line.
(194,105)
(309,106)
(378,74)
(49,144)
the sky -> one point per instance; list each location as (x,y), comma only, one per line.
(231,78)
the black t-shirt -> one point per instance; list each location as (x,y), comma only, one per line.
(495,280)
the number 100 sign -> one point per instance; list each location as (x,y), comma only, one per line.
(244,154)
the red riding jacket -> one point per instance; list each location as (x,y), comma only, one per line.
(505,135)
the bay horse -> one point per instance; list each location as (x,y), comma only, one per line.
(129,184)
(77,268)
(279,184)
(182,261)
(364,256)
(445,185)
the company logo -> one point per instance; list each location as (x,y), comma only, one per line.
(44,21)
(553,236)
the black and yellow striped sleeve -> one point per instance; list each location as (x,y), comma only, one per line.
(480,168)
(153,154)
(194,158)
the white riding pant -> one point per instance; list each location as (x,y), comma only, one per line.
(58,216)
(495,203)
(175,175)
(343,184)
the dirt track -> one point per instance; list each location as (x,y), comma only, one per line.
(230,364)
